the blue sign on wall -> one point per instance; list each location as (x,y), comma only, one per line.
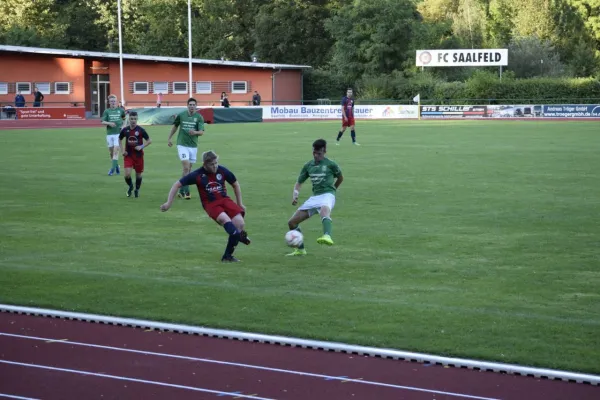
(572,111)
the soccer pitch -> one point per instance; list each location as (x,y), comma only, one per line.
(465,238)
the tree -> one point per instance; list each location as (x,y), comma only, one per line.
(531,57)
(372,36)
(298,37)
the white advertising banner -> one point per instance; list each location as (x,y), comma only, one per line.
(335,112)
(462,58)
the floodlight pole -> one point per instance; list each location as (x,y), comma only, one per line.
(190,44)
(121,55)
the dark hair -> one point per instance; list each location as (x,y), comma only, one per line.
(319,144)
(133,113)
(192,99)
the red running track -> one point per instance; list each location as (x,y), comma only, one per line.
(48,358)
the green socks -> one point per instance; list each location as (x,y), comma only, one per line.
(326,225)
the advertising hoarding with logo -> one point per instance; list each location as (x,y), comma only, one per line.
(453,111)
(335,112)
(51,113)
(572,111)
(462,58)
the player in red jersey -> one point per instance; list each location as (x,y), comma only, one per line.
(211,181)
(136,139)
(347,117)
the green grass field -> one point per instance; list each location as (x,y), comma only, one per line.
(468,238)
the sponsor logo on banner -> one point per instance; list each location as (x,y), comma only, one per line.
(335,112)
(51,113)
(453,111)
(571,111)
(462,58)
(514,111)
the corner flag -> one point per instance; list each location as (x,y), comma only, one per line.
(417,99)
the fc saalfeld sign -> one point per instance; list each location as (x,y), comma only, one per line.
(462,58)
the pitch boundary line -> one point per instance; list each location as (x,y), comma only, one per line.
(341,379)
(511,369)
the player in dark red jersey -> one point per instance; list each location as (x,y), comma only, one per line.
(136,139)
(211,182)
(347,117)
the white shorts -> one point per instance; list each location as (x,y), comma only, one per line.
(314,203)
(187,153)
(112,140)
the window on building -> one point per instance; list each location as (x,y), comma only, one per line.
(140,88)
(160,87)
(24,87)
(204,87)
(43,87)
(239,87)
(62,87)
(180,87)
(3,87)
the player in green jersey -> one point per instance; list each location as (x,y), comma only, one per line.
(191,125)
(326,177)
(114,119)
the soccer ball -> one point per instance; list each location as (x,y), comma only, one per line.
(294,238)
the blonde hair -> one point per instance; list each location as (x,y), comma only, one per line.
(209,155)
(112,96)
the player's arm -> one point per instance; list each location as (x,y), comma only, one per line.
(238,194)
(173,129)
(337,173)
(123,149)
(172,193)
(105,121)
(187,180)
(199,128)
(147,141)
(344,102)
(298,185)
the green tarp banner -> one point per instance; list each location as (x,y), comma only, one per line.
(238,114)
(166,116)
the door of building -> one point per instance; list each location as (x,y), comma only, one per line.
(100,90)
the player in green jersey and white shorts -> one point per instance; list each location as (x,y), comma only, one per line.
(191,125)
(326,177)
(114,119)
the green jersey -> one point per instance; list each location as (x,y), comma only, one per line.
(185,122)
(116,115)
(322,175)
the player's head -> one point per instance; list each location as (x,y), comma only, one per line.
(349,92)
(191,105)
(112,101)
(133,118)
(210,161)
(319,149)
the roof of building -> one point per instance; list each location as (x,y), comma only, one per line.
(98,54)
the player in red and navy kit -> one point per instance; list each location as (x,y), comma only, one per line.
(211,181)
(347,117)
(136,139)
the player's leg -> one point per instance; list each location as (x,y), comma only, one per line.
(192,153)
(139,170)
(114,140)
(352,131)
(111,147)
(327,202)
(234,235)
(341,132)
(236,213)
(294,224)
(184,156)
(128,165)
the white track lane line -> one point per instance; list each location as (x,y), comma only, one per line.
(10,396)
(123,378)
(258,367)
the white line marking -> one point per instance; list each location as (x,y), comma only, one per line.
(9,396)
(258,367)
(123,378)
